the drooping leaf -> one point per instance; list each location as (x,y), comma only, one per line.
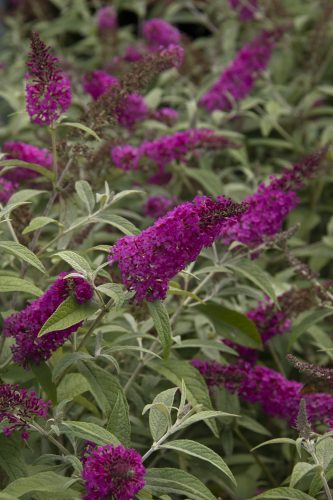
(310,319)
(14,284)
(283,493)
(161,320)
(256,274)
(202,452)
(38,223)
(76,261)
(69,313)
(301,470)
(10,164)
(22,253)
(43,482)
(89,432)
(178,482)
(119,222)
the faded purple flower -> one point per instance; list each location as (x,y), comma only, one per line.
(277,396)
(48,89)
(98,82)
(173,53)
(166,115)
(270,205)
(238,79)
(18,407)
(25,325)
(246,9)
(159,33)
(28,153)
(112,471)
(107,19)
(132,109)
(149,260)
(157,206)
(7,188)
(132,54)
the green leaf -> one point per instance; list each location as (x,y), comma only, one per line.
(65,362)
(89,431)
(300,470)
(200,451)
(44,376)
(24,195)
(10,164)
(119,222)
(81,127)
(309,319)
(276,441)
(107,390)
(204,415)
(86,194)
(179,482)
(254,273)
(176,371)
(76,261)
(13,284)
(72,385)
(69,313)
(205,344)
(158,421)
(253,425)
(232,325)
(207,179)
(11,457)
(115,291)
(161,320)
(124,194)
(37,223)
(44,482)
(283,493)
(22,253)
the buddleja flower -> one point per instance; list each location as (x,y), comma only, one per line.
(26,152)
(246,8)
(18,407)
(157,206)
(166,149)
(48,89)
(277,396)
(25,325)
(270,205)
(7,188)
(98,82)
(112,472)
(159,33)
(238,79)
(149,260)
(107,19)
(132,109)
(166,115)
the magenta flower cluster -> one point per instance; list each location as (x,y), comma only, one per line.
(18,406)
(16,150)
(98,82)
(157,206)
(238,79)
(166,115)
(149,260)
(246,9)
(166,149)
(277,396)
(25,325)
(159,33)
(270,205)
(107,19)
(112,472)
(7,188)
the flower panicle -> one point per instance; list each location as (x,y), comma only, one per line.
(18,407)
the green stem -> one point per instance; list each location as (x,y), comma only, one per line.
(43,432)
(309,446)
(54,151)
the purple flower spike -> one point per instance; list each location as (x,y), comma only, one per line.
(107,19)
(112,471)
(24,326)
(48,89)
(98,82)
(247,9)
(238,79)
(149,260)
(18,406)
